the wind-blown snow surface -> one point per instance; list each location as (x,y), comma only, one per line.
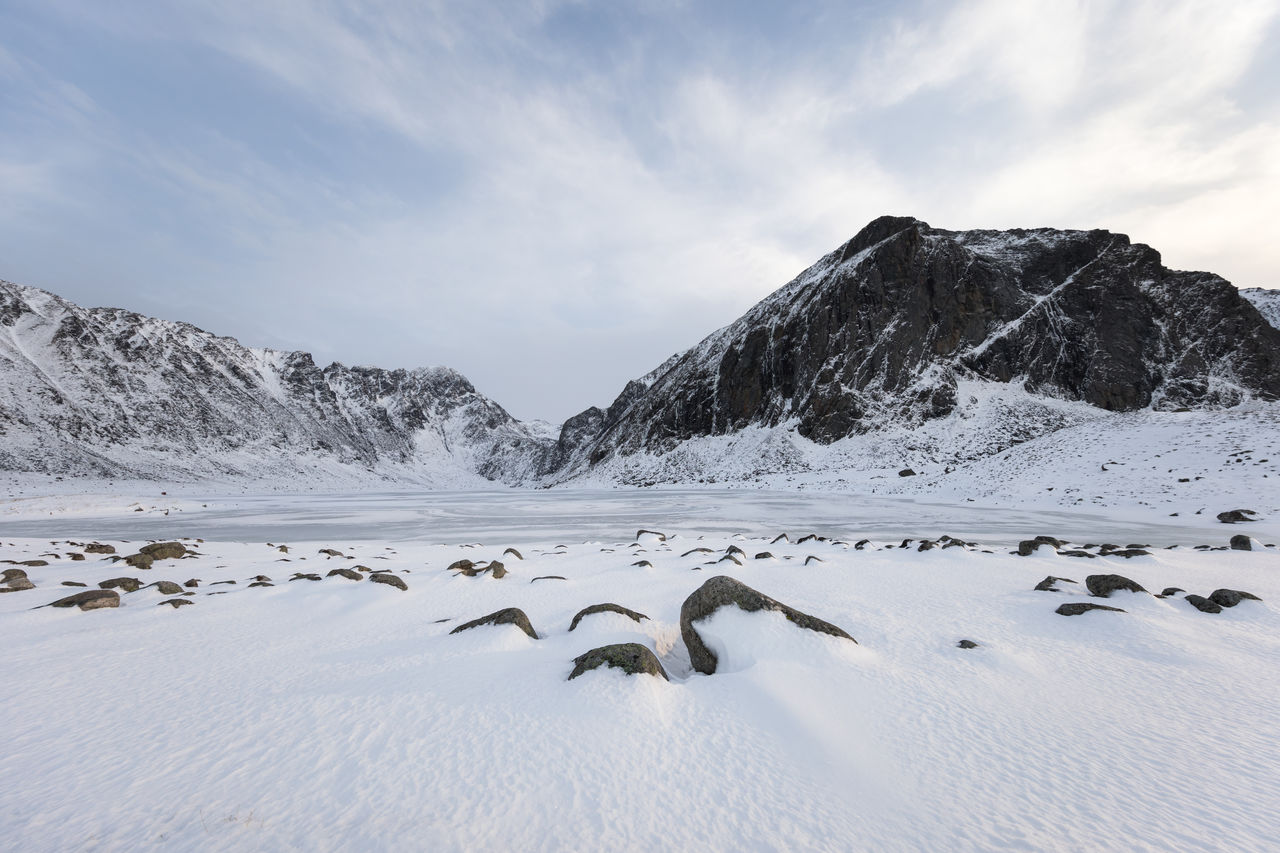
(340,714)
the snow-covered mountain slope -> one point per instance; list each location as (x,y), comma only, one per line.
(880,335)
(109,393)
(1267,301)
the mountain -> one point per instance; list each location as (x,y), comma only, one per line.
(1266,301)
(906,345)
(883,334)
(109,393)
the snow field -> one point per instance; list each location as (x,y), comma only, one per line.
(341,714)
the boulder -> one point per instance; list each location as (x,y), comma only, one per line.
(175,603)
(697,551)
(464,566)
(127,584)
(966,644)
(906,472)
(509,616)
(605,608)
(90,599)
(75,557)
(167,587)
(1048,584)
(11,575)
(99,548)
(1076,608)
(164,550)
(1171,590)
(1103,585)
(74,583)
(390,580)
(1241,542)
(721,591)
(513,552)
(261,583)
(631,658)
(497,569)
(1235,516)
(1231,597)
(662,537)
(139,561)
(1028,546)
(764,555)
(349,574)
(192,583)
(1204,605)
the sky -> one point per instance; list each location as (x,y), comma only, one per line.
(552,197)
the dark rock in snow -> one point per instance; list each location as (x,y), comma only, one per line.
(1204,605)
(1048,584)
(764,555)
(721,591)
(966,644)
(605,608)
(662,537)
(1103,585)
(631,658)
(389,580)
(1241,542)
(906,472)
(164,550)
(549,578)
(74,583)
(1171,590)
(513,552)
(509,616)
(127,584)
(1231,597)
(99,548)
(1078,607)
(166,587)
(1235,516)
(92,599)
(349,574)
(139,561)
(175,603)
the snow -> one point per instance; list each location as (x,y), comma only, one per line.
(338,714)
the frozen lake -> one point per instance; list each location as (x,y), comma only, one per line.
(511,515)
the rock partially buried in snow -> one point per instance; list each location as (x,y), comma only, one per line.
(1049,584)
(1204,605)
(139,561)
(389,580)
(1241,542)
(127,584)
(513,552)
(605,608)
(1231,597)
(167,587)
(631,658)
(1076,608)
(662,537)
(175,602)
(92,599)
(1235,516)
(723,590)
(349,574)
(164,550)
(1103,585)
(966,644)
(509,616)
(99,548)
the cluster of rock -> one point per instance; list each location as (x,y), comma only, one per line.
(1102,586)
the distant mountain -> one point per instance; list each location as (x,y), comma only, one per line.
(920,343)
(106,392)
(878,334)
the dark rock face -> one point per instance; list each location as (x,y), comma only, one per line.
(127,584)
(631,658)
(605,608)
(1077,608)
(1103,585)
(721,591)
(1240,542)
(884,325)
(1231,597)
(509,616)
(92,599)
(164,550)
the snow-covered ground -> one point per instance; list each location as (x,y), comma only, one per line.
(340,714)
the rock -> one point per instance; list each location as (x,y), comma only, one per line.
(1204,605)
(811,537)
(74,583)
(1103,585)
(13,575)
(175,602)
(549,578)
(730,558)
(1076,608)
(92,599)
(1235,516)
(812,559)
(764,555)
(139,561)
(497,569)
(463,566)
(697,551)
(215,583)
(781,537)
(1047,585)
(164,550)
(99,548)
(927,545)
(734,549)
(349,574)
(283,549)
(513,552)
(75,557)
(509,616)
(1231,597)
(1129,552)
(304,576)
(662,537)
(1240,542)
(723,590)
(605,608)
(261,578)
(33,564)
(906,472)
(1076,552)
(1171,590)
(166,587)
(643,564)
(127,584)
(1028,546)
(192,583)
(631,658)
(966,644)
(16,580)
(389,580)
(261,583)
(330,553)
